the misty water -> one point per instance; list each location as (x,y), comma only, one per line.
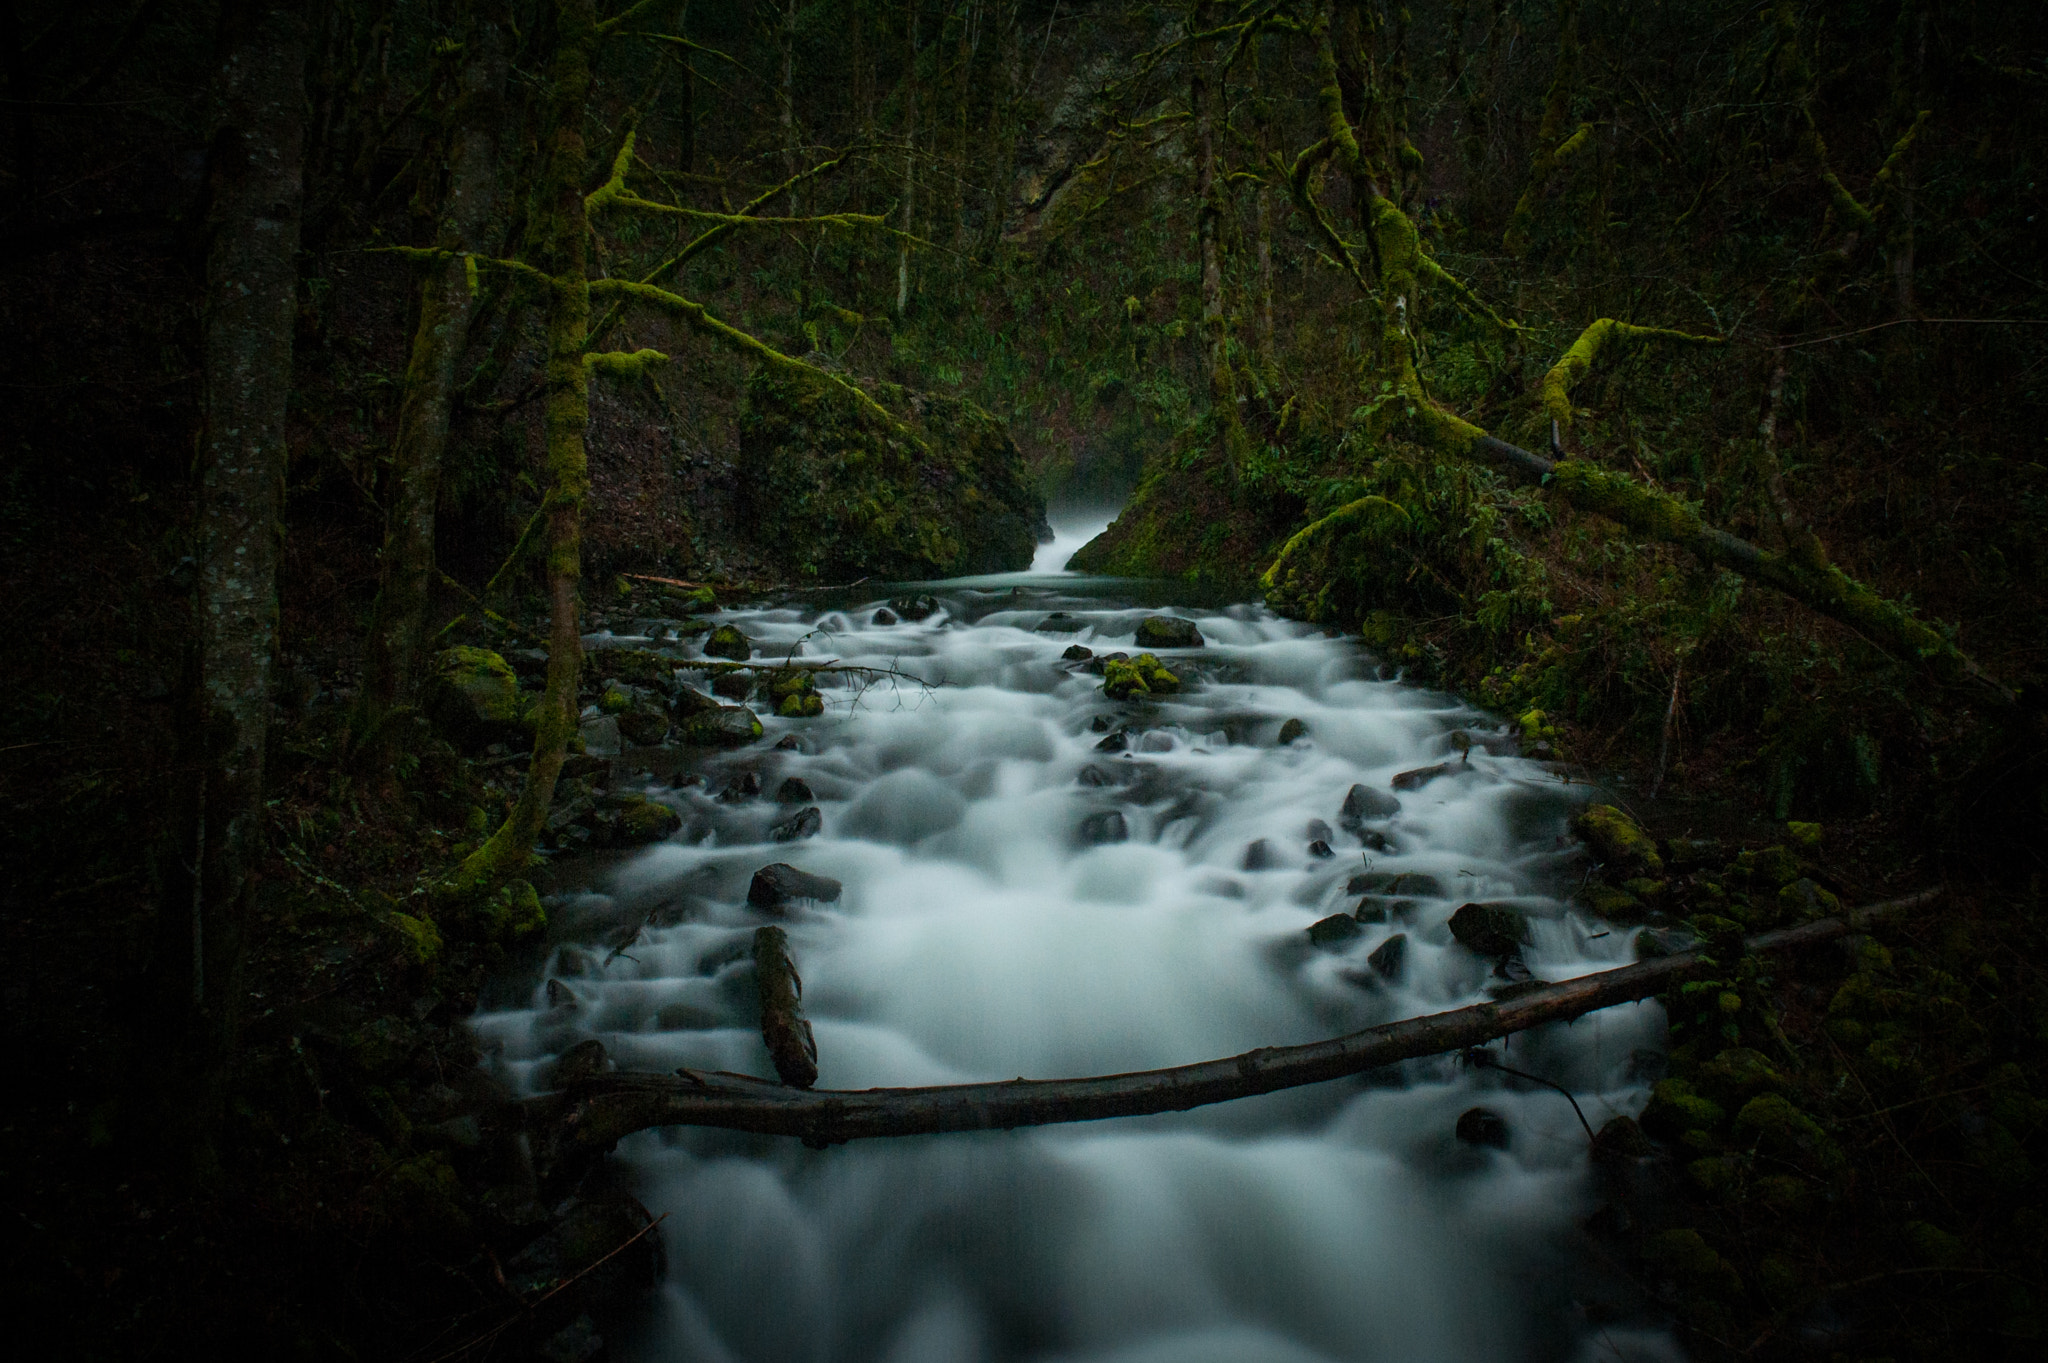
(994,925)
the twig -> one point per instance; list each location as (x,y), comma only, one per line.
(526,1307)
(1670,718)
(1479,1058)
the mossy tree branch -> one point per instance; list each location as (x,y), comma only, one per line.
(1553,147)
(1577,361)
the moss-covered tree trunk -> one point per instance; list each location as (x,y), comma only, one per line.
(246,375)
(447,305)
(1553,146)
(1208,236)
(563,236)
(909,159)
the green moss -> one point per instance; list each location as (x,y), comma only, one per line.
(614,701)
(1780,1129)
(1618,841)
(473,695)
(1803,899)
(1675,1109)
(1718,1176)
(1143,675)
(421,938)
(1609,902)
(1686,1257)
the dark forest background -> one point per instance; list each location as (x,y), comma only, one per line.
(1667,376)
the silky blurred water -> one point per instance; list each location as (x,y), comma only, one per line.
(981,935)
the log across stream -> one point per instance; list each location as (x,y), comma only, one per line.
(1039,881)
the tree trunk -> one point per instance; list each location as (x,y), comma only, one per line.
(591,1116)
(251,294)
(447,304)
(564,235)
(1552,146)
(1208,230)
(909,163)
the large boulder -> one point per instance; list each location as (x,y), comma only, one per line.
(473,695)
(1168,631)
(724,726)
(935,489)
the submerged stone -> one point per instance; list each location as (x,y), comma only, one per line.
(1421,776)
(1292,731)
(794,790)
(1059,622)
(724,727)
(914,608)
(805,823)
(727,642)
(1482,1126)
(1105,827)
(1363,804)
(1390,958)
(884,616)
(1076,653)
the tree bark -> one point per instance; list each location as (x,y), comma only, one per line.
(1552,146)
(251,295)
(564,238)
(447,306)
(909,162)
(1208,228)
(588,1118)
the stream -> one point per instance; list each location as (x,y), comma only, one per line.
(1020,902)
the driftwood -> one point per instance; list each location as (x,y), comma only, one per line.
(788,1036)
(587,1118)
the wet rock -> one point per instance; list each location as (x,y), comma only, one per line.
(805,823)
(1060,622)
(728,726)
(743,785)
(1105,827)
(1689,854)
(1259,856)
(733,685)
(1092,776)
(1482,1126)
(1422,776)
(584,1060)
(1318,831)
(473,695)
(727,642)
(627,819)
(1490,929)
(1320,849)
(884,616)
(1363,804)
(915,607)
(794,790)
(1167,631)
(1375,841)
(1100,724)
(1738,1074)
(1077,654)
(688,700)
(561,995)
(1618,842)
(643,726)
(1292,731)
(1620,1141)
(776,885)
(1653,943)
(1675,1109)
(601,736)
(1390,957)
(1099,664)
(1336,932)
(1143,675)
(789,743)
(1804,899)
(580,765)
(1116,742)
(794,693)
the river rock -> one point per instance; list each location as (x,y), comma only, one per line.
(644,726)
(601,737)
(1421,776)
(726,726)
(805,823)
(1336,932)
(1168,631)
(1259,856)
(1092,776)
(627,819)
(1390,957)
(733,685)
(1076,653)
(1363,804)
(743,785)
(1143,675)
(1490,929)
(916,607)
(777,884)
(884,616)
(685,701)
(1483,1126)
(794,692)
(1060,622)
(1618,842)
(1105,827)
(1116,742)
(727,642)
(1292,731)
(1318,831)
(1396,884)
(794,790)
(1320,849)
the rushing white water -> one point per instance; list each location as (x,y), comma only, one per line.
(981,935)
(1069,533)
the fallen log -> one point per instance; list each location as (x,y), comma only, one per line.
(591,1115)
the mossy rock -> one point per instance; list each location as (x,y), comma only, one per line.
(795,695)
(1612,903)
(473,695)
(723,726)
(512,914)
(1619,842)
(937,488)
(1737,1074)
(1806,899)
(1143,675)
(727,642)
(1780,1129)
(1676,1109)
(1168,631)
(422,939)
(643,725)
(615,701)
(1700,1273)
